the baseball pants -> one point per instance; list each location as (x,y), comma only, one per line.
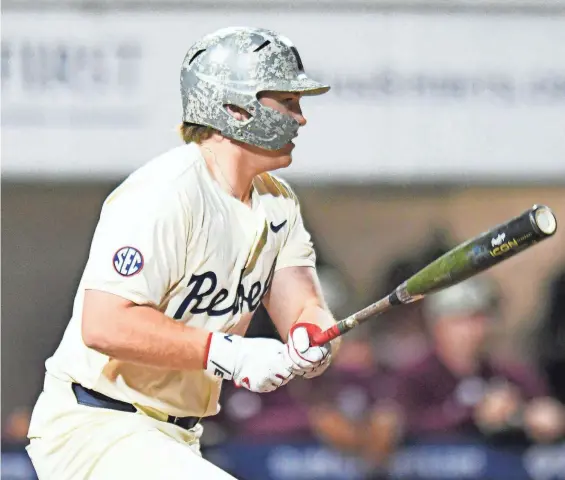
(69,441)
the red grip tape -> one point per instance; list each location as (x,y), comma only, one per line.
(311,328)
(321,338)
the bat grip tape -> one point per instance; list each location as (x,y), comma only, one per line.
(321,338)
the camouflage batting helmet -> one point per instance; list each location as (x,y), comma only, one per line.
(230,67)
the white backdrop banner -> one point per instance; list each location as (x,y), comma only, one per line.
(414,98)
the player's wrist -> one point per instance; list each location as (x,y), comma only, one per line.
(221,354)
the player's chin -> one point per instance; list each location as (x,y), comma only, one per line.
(285,155)
(280,158)
(285,160)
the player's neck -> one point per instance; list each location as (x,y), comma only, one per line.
(230,170)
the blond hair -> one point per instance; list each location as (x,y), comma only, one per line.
(194,133)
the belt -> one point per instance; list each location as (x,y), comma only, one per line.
(91,398)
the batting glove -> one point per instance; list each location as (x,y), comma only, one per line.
(257,364)
(307,360)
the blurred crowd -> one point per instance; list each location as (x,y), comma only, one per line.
(429,370)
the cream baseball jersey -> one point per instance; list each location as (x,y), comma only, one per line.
(170,237)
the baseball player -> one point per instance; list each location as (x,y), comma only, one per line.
(184,251)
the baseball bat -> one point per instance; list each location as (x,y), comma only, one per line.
(463,261)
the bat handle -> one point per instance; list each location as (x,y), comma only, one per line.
(325,336)
(343,326)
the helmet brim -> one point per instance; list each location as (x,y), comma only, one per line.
(303,84)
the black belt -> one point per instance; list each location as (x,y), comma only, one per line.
(91,398)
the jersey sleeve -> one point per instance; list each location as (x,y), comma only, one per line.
(298,249)
(139,247)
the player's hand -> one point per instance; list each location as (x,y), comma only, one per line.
(257,364)
(307,360)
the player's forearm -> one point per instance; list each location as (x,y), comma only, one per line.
(143,335)
(296,296)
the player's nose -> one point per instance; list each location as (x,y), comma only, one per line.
(300,118)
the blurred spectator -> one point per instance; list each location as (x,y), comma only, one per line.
(275,416)
(460,389)
(349,397)
(552,339)
(15,428)
(400,339)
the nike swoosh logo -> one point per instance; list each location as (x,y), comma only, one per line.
(276,228)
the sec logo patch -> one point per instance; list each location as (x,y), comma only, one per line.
(128,261)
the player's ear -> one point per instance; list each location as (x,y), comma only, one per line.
(237,112)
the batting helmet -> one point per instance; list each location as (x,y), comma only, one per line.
(230,67)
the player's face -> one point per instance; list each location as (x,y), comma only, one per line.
(287,103)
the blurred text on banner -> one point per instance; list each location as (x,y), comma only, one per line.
(415,97)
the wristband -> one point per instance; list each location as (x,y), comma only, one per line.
(221,354)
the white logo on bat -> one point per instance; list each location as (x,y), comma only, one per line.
(498,239)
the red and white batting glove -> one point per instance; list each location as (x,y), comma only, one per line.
(307,360)
(257,364)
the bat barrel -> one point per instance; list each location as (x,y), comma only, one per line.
(480,253)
